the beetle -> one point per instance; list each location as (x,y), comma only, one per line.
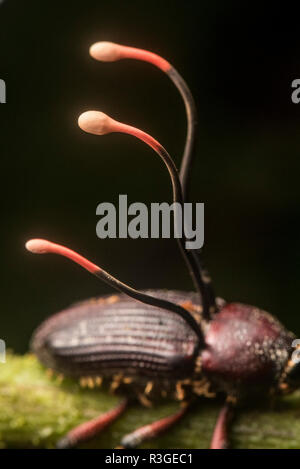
(157,344)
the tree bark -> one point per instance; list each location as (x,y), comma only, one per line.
(36,410)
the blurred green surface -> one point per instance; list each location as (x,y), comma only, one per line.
(36,411)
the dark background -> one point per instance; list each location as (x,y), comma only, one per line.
(239,59)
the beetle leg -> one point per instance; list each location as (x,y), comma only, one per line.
(154,429)
(220,436)
(89,429)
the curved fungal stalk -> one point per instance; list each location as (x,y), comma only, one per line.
(42,246)
(105,51)
(98,123)
(111,52)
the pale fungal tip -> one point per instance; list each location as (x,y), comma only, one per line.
(95,122)
(37,246)
(105,51)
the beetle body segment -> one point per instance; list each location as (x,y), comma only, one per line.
(246,350)
(113,336)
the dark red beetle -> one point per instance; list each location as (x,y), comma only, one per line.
(154,344)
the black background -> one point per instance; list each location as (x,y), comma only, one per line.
(239,59)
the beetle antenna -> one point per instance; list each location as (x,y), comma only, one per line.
(98,123)
(111,52)
(42,246)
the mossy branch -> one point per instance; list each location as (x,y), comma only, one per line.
(36,410)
